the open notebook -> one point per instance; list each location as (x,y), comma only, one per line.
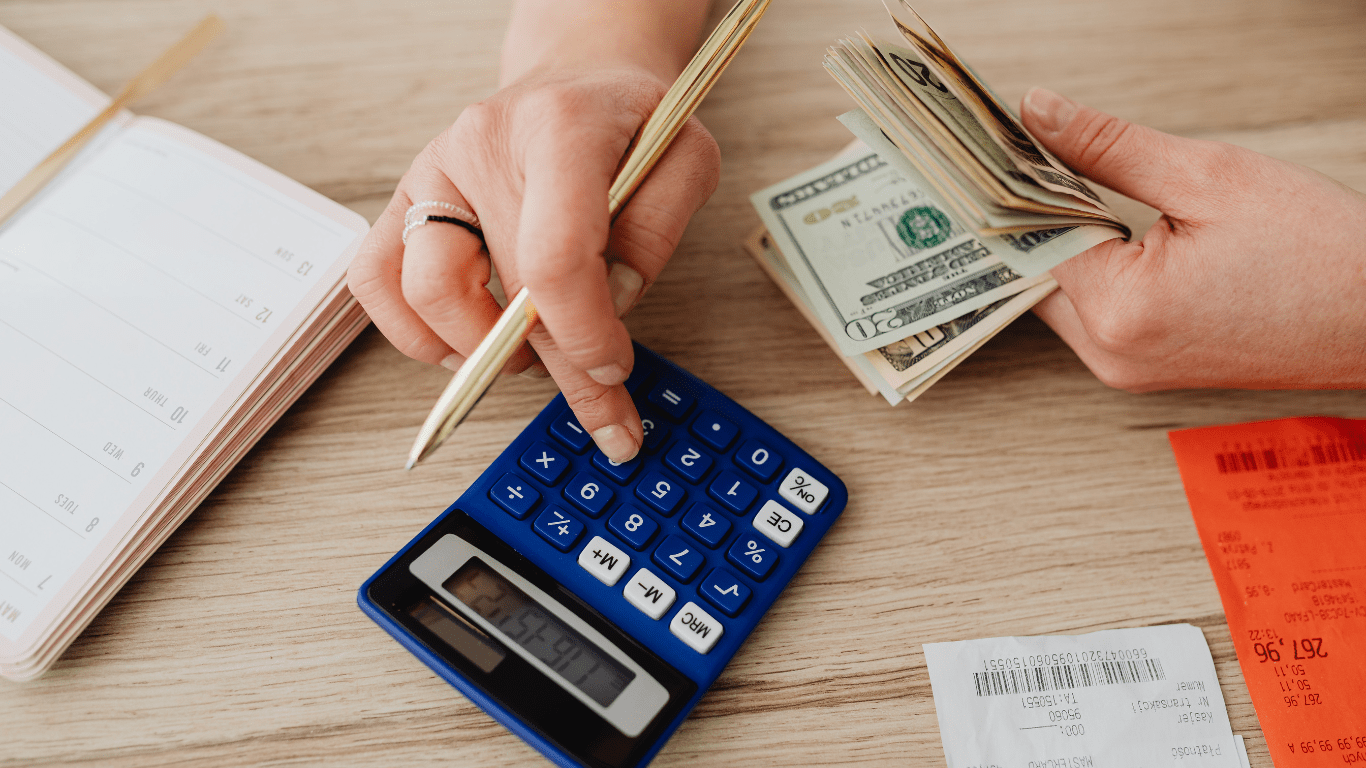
(162,302)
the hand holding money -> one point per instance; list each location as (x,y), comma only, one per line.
(1254,277)
(912,250)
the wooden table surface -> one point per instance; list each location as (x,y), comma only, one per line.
(1019,496)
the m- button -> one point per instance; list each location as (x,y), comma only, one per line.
(694,626)
(778,523)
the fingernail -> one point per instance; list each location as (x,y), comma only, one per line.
(1052,112)
(453,361)
(536,370)
(609,375)
(616,442)
(626,285)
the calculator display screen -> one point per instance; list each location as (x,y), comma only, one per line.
(525,622)
(458,633)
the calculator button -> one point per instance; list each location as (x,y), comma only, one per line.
(687,460)
(515,495)
(604,560)
(714,430)
(544,462)
(655,431)
(660,492)
(724,591)
(804,491)
(709,526)
(619,472)
(639,375)
(733,492)
(671,398)
(566,429)
(758,460)
(649,593)
(633,526)
(559,528)
(778,523)
(588,493)
(694,626)
(678,558)
(753,555)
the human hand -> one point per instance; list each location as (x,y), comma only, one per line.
(534,162)
(1254,277)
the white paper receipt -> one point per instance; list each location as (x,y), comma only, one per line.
(1121,698)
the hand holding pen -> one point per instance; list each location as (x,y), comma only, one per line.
(531,168)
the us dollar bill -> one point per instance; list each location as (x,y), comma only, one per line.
(1030,252)
(903,369)
(877,254)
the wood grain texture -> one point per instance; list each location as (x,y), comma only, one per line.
(1019,496)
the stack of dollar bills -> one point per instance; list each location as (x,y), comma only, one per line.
(917,244)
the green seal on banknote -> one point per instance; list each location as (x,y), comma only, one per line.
(924,227)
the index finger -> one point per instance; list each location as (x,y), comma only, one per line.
(561,238)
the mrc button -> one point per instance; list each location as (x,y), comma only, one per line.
(694,626)
(778,523)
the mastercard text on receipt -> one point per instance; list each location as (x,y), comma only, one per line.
(1281,511)
(1125,698)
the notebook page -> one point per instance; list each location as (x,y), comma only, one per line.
(41,106)
(138,300)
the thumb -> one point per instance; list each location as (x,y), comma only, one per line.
(1134,160)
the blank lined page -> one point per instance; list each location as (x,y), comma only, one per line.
(138,300)
(41,106)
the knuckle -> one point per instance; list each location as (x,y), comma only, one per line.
(557,106)
(1121,330)
(549,271)
(705,152)
(592,403)
(429,295)
(1120,374)
(652,233)
(1101,137)
(477,120)
(365,281)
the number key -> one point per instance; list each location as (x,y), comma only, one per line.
(588,493)
(622,472)
(733,492)
(660,492)
(709,526)
(758,459)
(687,460)
(678,558)
(633,526)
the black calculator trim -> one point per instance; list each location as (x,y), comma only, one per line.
(514,686)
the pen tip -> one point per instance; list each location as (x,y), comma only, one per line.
(411,463)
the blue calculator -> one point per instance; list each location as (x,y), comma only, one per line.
(588,605)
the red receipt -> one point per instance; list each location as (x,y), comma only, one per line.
(1281,510)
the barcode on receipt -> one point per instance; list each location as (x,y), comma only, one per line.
(1061,677)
